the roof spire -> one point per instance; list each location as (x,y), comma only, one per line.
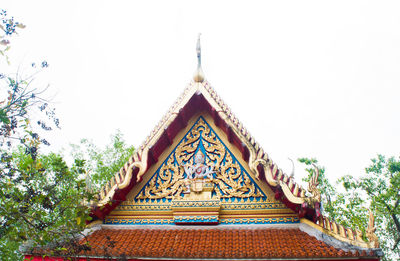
(198,75)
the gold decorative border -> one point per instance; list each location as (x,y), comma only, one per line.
(189,205)
(196,219)
(133,221)
(226,209)
(246,220)
(280,220)
(224,206)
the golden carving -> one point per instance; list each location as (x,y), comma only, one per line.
(139,160)
(373,239)
(256,154)
(170,182)
(230,178)
(313,187)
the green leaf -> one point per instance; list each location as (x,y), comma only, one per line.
(3,117)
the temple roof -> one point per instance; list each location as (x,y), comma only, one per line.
(221,242)
(286,222)
(200,96)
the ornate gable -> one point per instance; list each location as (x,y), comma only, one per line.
(201,97)
(230,178)
(230,194)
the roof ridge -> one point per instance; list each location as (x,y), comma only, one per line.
(342,233)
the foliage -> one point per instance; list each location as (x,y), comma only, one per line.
(8,27)
(41,202)
(102,164)
(381,189)
(378,190)
(23,103)
(329,193)
(41,197)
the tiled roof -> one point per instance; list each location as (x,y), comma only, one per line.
(211,243)
(201,97)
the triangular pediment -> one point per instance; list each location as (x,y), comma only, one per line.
(230,178)
(260,179)
(239,198)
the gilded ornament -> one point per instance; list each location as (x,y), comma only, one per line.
(313,187)
(215,162)
(370,232)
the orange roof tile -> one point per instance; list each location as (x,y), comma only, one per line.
(189,243)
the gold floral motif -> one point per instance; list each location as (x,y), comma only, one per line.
(169,182)
(231,180)
(259,220)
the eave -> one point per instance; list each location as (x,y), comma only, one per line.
(248,242)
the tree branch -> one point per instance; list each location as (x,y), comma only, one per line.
(396,243)
(396,222)
(396,204)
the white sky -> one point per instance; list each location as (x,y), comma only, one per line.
(307,78)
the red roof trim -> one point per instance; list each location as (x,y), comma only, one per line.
(39,258)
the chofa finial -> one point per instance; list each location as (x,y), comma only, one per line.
(198,75)
(370,232)
(313,185)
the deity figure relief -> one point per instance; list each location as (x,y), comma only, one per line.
(197,171)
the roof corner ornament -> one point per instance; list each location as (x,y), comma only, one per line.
(126,173)
(315,200)
(313,185)
(291,174)
(370,232)
(198,75)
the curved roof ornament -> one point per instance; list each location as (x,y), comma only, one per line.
(198,75)
(372,238)
(313,186)
(292,174)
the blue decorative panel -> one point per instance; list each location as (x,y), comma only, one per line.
(231,180)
